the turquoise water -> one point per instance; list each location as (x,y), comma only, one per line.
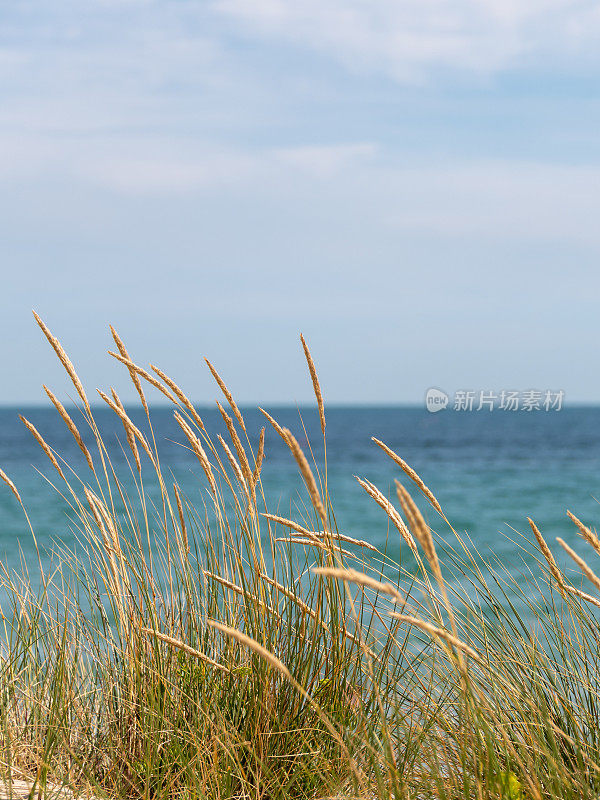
(489,470)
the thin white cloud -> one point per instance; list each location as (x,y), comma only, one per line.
(353,185)
(89,66)
(162,177)
(161,166)
(327,160)
(408,39)
(502,200)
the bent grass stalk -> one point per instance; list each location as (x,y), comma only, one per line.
(315,382)
(179,645)
(43,444)
(411,474)
(70,425)
(132,372)
(65,361)
(307,474)
(227,394)
(128,432)
(10,485)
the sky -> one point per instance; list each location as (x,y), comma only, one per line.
(413,184)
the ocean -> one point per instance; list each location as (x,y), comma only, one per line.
(489,471)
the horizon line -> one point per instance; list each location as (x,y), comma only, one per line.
(409,404)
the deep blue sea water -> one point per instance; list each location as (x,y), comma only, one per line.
(489,470)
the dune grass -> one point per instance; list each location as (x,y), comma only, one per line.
(205,647)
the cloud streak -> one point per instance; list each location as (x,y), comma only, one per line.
(413,40)
(353,186)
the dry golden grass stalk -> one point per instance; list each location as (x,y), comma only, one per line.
(315,383)
(43,444)
(407,508)
(128,423)
(288,523)
(239,590)
(354,576)
(307,474)
(335,537)
(411,512)
(583,595)
(590,536)
(177,643)
(420,528)
(314,542)
(389,509)
(290,595)
(247,641)
(274,423)
(422,532)
(94,505)
(145,375)
(307,609)
(184,532)
(243,458)
(547,553)
(259,458)
(109,537)
(134,376)
(128,433)
(100,509)
(185,401)
(223,581)
(70,425)
(318,534)
(583,565)
(64,360)
(309,540)
(228,395)
(10,485)
(298,529)
(439,633)
(234,466)
(198,450)
(411,474)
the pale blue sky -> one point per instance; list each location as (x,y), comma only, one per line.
(414,184)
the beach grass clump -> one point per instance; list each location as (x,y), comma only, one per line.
(209,646)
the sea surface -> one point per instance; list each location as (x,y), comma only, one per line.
(489,471)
